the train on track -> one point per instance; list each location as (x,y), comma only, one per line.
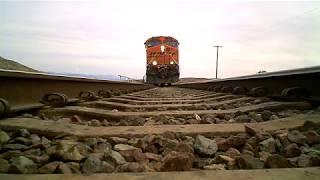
(162,60)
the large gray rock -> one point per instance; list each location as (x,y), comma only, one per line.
(249,162)
(205,146)
(4,137)
(277,161)
(115,158)
(123,147)
(177,161)
(23,165)
(312,137)
(268,145)
(4,166)
(102,148)
(131,167)
(68,150)
(63,169)
(92,165)
(292,150)
(49,168)
(297,137)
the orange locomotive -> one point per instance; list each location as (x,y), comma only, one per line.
(162,60)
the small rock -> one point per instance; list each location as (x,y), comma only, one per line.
(283,137)
(64,169)
(304,160)
(215,167)
(274,117)
(253,129)
(123,147)
(22,132)
(312,137)
(266,115)
(76,119)
(232,141)
(257,117)
(107,167)
(292,150)
(36,152)
(249,162)
(35,139)
(184,147)
(4,166)
(4,137)
(106,123)
(134,155)
(23,165)
(232,152)
(14,147)
(115,110)
(277,161)
(105,148)
(91,165)
(118,140)
(230,162)
(268,145)
(131,167)
(22,140)
(90,141)
(296,137)
(248,152)
(74,166)
(115,158)
(49,168)
(242,118)
(94,122)
(175,161)
(205,146)
(153,156)
(197,117)
(263,156)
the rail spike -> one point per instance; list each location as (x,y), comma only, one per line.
(88,96)
(4,107)
(55,99)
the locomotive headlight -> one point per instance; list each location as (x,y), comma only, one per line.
(171,62)
(162,48)
(154,63)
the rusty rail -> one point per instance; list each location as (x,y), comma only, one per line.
(21,90)
(290,84)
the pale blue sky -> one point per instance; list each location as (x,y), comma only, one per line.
(106,37)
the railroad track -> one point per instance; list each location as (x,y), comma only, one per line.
(199,128)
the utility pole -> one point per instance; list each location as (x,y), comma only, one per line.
(217,59)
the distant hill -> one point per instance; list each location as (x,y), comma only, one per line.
(12,65)
(190,80)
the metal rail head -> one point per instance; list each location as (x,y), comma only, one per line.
(55,99)
(4,107)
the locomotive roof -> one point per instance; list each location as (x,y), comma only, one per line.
(157,37)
